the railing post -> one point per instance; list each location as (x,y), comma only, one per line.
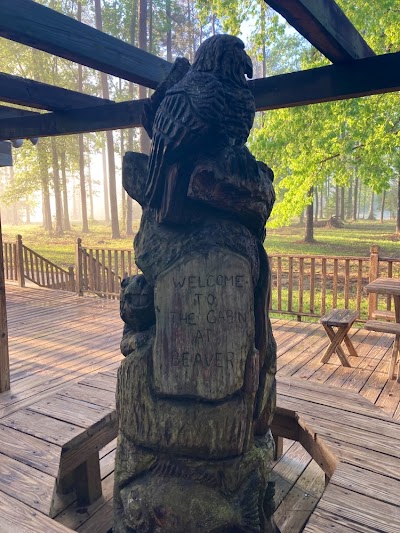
(20,261)
(71,275)
(78,267)
(373,274)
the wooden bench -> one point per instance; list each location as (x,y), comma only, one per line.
(342,319)
(53,446)
(394,329)
(356,445)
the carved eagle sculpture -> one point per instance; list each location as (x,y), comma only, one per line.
(209,109)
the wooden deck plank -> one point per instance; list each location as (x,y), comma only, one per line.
(41,426)
(26,484)
(360,509)
(16,516)
(19,446)
(377,486)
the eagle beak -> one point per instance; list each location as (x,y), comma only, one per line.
(249,67)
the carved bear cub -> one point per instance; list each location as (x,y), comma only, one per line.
(136,310)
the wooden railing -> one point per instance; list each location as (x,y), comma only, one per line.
(100,270)
(22,263)
(302,285)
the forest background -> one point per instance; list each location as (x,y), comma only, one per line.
(340,158)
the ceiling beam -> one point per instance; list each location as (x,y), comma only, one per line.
(364,77)
(35,25)
(325,26)
(106,117)
(21,91)
(13,112)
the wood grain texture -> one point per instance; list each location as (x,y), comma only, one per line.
(35,25)
(26,92)
(16,516)
(209,299)
(326,27)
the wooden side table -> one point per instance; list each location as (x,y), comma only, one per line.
(342,319)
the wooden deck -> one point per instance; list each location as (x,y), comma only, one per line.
(57,338)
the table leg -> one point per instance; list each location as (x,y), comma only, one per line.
(350,346)
(88,481)
(336,339)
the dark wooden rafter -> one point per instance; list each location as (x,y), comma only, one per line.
(325,26)
(378,74)
(35,25)
(364,77)
(21,91)
(14,112)
(101,118)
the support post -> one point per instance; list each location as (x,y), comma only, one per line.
(71,275)
(78,267)
(4,355)
(20,261)
(373,274)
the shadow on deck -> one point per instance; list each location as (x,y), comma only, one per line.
(57,338)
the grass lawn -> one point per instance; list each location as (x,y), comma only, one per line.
(355,239)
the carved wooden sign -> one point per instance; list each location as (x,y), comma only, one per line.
(205,326)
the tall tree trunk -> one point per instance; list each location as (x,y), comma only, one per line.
(371,207)
(309,229)
(142,42)
(28,213)
(383,205)
(14,206)
(398,206)
(355,199)
(66,222)
(264,51)
(150,44)
(337,202)
(44,178)
(169,29)
(110,142)
(128,228)
(57,189)
(316,199)
(82,180)
(342,211)
(105,185)
(349,209)
(192,44)
(90,185)
(123,193)
(82,185)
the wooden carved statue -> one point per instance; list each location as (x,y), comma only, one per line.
(196,390)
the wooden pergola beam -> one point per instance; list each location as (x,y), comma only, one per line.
(364,77)
(22,91)
(13,112)
(101,118)
(325,26)
(35,25)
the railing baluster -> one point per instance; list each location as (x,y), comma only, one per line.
(312,286)
(290,286)
(323,285)
(301,284)
(335,283)
(346,282)
(279,283)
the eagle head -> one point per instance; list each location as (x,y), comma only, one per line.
(224,56)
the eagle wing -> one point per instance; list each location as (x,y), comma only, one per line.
(189,112)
